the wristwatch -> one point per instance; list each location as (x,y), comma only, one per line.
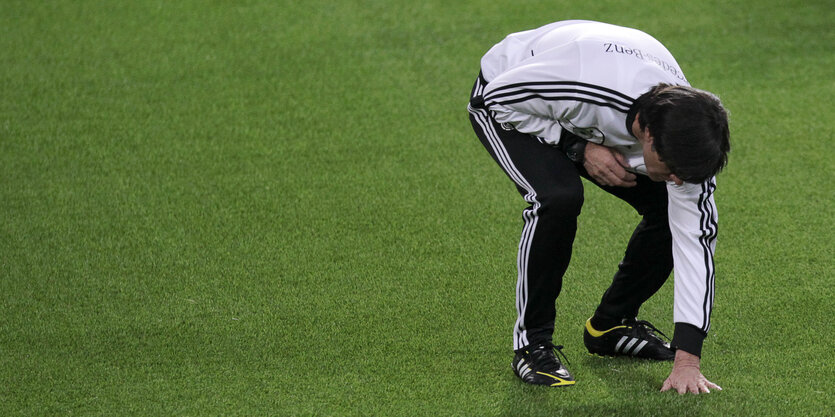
(573,146)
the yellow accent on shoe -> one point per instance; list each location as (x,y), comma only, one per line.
(598,333)
(560,381)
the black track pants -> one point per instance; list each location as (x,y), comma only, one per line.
(550,183)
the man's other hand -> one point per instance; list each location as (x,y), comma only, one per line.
(687,376)
(607,167)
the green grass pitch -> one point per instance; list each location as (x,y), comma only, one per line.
(278,208)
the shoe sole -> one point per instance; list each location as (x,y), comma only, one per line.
(620,355)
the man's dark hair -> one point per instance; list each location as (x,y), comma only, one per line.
(689,129)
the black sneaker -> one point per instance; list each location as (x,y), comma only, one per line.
(538,364)
(632,338)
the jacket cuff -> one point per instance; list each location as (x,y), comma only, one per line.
(688,338)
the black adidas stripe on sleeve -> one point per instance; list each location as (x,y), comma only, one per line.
(707,238)
(559,90)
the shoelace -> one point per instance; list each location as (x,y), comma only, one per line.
(641,326)
(556,348)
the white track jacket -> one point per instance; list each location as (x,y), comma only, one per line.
(583,76)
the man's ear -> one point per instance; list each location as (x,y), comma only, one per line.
(676,179)
(650,140)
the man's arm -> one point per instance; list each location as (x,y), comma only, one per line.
(693,224)
(531,97)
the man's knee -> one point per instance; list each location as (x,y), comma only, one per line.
(563,201)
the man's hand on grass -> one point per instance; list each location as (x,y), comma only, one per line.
(687,376)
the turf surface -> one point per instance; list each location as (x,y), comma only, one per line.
(279,208)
